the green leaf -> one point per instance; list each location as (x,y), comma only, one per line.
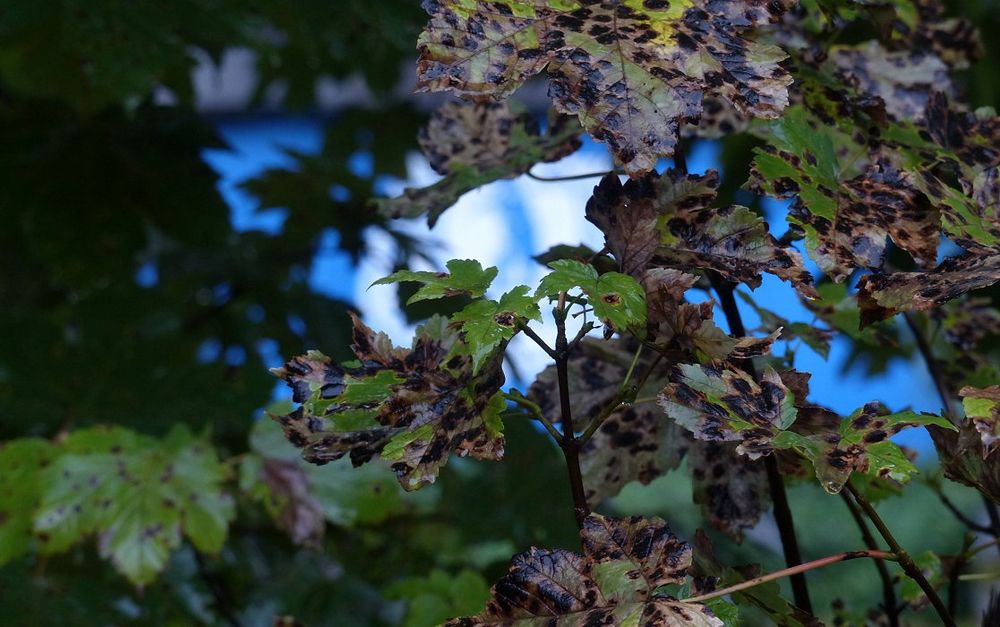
(464,276)
(486,324)
(618,66)
(139,494)
(617,298)
(21,465)
(438,596)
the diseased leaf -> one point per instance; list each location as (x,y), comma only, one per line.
(861,444)
(139,495)
(613,583)
(627,215)
(881,296)
(618,300)
(21,463)
(982,408)
(464,277)
(731,489)
(634,74)
(472,144)
(728,405)
(423,406)
(964,460)
(634,443)
(487,324)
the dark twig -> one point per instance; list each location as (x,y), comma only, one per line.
(569,444)
(909,567)
(537,340)
(960,515)
(888,591)
(956,571)
(782,511)
(218,589)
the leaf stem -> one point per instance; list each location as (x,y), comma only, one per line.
(536,339)
(782,511)
(905,561)
(571,177)
(790,572)
(515,396)
(888,591)
(569,444)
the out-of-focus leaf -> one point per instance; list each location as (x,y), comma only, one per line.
(618,299)
(633,74)
(732,490)
(464,277)
(816,338)
(614,582)
(21,463)
(414,407)
(138,494)
(982,408)
(931,567)
(473,144)
(439,596)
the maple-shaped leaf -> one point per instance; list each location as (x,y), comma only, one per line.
(861,444)
(729,405)
(614,582)
(413,407)
(732,489)
(627,216)
(881,296)
(472,144)
(618,299)
(964,460)
(487,324)
(138,495)
(21,465)
(464,277)
(982,408)
(633,443)
(847,213)
(903,79)
(633,73)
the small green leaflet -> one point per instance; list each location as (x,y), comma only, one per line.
(464,276)
(486,324)
(139,494)
(616,298)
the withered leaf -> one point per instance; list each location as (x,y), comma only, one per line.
(691,327)
(612,583)
(472,144)
(731,489)
(296,511)
(982,408)
(881,296)
(627,216)
(634,74)
(414,407)
(963,458)
(729,405)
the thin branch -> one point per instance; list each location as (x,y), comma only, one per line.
(905,561)
(791,572)
(220,593)
(571,177)
(956,571)
(782,511)
(569,444)
(537,340)
(888,591)
(960,515)
(535,411)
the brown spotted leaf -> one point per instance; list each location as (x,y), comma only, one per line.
(881,296)
(633,73)
(728,405)
(634,443)
(627,215)
(612,583)
(731,489)
(982,408)
(964,459)
(296,511)
(413,407)
(472,144)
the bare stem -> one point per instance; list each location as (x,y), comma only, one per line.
(782,511)
(888,591)
(790,572)
(535,411)
(571,177)
(569,444)
(905,561)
